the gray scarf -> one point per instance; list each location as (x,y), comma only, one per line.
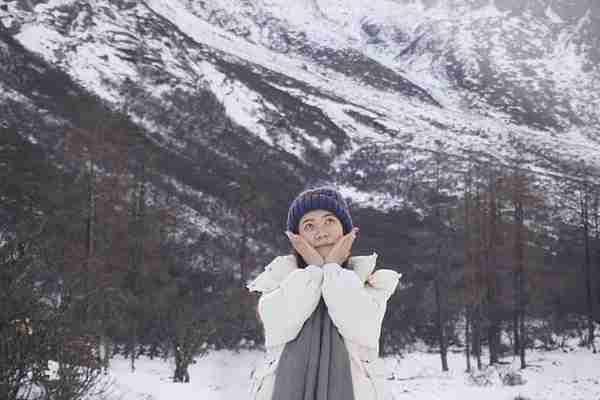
(315,365)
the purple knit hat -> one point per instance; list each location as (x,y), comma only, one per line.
(321,198)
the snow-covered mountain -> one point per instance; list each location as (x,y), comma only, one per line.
(309,90)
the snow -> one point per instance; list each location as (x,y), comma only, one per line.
(556,376)
(84,57)
(92,55)
(378,200)
(30,37)
(243,105)
(32,139)
(7,94)
(415,375)
(93,61)
(219,375)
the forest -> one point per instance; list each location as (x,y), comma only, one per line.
(98,258)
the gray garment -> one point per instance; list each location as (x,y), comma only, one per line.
(315,365)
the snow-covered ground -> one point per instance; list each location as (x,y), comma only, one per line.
(224,375)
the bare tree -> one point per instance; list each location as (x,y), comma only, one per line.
(474,252)
(584,201)
(596,222)
(518,186)
(440,279)
(469,296)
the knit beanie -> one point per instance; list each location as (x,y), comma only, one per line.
(320,198)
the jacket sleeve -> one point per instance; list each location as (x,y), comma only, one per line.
(284,309)
(357,309)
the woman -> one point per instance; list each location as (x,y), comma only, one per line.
(322,309)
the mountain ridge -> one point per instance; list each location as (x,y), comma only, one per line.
(254,93)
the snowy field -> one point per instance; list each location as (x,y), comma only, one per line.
(220,375)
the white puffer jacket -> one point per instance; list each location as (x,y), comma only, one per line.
(356,299)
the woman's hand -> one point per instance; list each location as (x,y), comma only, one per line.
(341,251)
(309,253)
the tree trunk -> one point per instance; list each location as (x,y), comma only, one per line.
(132,345)
(515,327)
(516,284)
(440,325)
(596,209)
(479,280)
(584,203)
(491,260)
(467,337)
(442,236)
(181,365)
(89,239)
(520,259)
(477,335)
(469,265)
(522,332)
(104,352)
(489,265)
(153,350)
(243,248)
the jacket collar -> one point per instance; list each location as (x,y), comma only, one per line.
(363,265)
(282,266)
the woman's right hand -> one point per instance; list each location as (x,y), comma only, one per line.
(309,253)
(341,251)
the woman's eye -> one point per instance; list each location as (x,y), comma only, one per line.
(307,226)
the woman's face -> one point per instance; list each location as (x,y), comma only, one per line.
(320,228)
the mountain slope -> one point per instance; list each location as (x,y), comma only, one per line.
(295,94)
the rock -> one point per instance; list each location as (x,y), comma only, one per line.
(512,378)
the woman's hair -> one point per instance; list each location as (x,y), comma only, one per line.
(302,264)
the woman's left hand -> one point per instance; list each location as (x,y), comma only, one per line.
(341,251)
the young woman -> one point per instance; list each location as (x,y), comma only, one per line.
(322,309)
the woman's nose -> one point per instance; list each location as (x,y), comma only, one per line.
(320,231)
